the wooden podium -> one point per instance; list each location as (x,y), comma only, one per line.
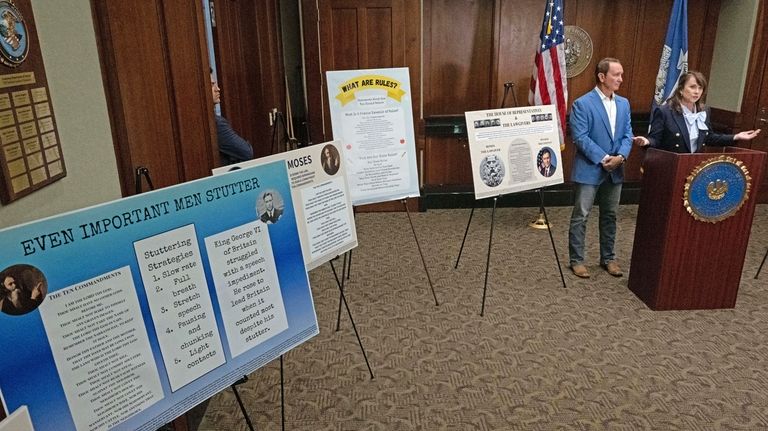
(678,262)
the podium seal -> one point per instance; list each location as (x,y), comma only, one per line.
(716,189)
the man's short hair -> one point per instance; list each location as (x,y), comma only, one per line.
(268,194)
(603,66)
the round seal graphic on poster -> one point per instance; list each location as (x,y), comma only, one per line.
(13,35)
(492,170)
(716,189)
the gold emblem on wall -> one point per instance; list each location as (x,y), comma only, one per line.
(578,50)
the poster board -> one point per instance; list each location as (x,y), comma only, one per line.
(514,149)
(150,304)
(371,115)
(324,212)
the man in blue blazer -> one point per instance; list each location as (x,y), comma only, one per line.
(602,133)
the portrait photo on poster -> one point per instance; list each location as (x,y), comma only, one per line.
(489,122)
(23,289)
(270,207)
(330,159)
(546,161)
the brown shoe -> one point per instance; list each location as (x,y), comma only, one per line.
(613,268)
(580,271)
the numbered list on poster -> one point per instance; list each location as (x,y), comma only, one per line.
(174,280)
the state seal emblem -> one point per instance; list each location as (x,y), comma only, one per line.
(716,189)
(578,50)
(14,44)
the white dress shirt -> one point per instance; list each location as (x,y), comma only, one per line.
(609,103)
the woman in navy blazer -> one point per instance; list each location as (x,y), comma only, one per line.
(684,114)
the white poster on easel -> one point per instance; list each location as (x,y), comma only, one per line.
(514,149)
(372,116)
(324,210)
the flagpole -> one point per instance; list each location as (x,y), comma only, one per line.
(549,84)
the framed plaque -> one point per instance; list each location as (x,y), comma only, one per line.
(30,149)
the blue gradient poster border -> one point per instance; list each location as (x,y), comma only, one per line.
(127,314)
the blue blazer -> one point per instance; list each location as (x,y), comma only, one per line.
(669,132)
(591,133)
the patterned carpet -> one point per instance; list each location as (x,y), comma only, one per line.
(589,357)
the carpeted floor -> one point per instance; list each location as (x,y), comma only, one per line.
(589,357)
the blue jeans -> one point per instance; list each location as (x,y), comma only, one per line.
(608,195)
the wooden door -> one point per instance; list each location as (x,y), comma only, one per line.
(761,122)
(158,91)
(754,108)
(358,34)
(250,70)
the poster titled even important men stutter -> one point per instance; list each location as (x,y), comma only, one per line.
(126,315)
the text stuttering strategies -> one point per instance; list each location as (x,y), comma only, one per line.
(182,310)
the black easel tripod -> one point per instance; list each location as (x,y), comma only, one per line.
(761,264)
(340,284)
(508,86)
(347,265)
(423,262)
(279,124)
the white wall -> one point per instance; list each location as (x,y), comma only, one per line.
(735,29)
(68,45)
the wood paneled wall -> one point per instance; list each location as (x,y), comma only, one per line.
(458,56)
(472,48)
(754,107)
(357,34)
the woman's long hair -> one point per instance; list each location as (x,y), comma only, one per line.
(675,101)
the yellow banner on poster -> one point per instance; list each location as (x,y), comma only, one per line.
(367,82)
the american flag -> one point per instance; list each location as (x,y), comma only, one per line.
(548,81)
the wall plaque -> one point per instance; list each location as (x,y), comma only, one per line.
(30,149)
(578,50)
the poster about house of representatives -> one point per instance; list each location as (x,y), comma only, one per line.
(324,212)
(514,149)
(372,116)
(127,314)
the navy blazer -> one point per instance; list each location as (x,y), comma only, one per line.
(669,132)
(232,148)
(591,133)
